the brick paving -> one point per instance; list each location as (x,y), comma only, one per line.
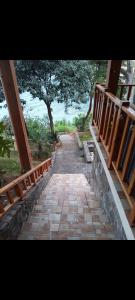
(67,208)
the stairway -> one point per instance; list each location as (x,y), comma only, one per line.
(67,208)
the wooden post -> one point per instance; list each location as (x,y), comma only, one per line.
(113,73)
(9,82)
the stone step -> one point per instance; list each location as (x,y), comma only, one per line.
(67,208)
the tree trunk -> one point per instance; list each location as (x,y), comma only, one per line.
(50,118)
(88,112)
(90,107)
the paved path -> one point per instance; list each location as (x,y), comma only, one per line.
(67,208)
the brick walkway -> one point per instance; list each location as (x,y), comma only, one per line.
(67,208)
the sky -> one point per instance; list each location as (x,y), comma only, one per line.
(37,108)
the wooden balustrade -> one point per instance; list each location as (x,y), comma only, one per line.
(125,91)
(16,190)
(114,120)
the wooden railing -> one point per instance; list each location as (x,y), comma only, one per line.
(16,190)
(124,91)
(115,123)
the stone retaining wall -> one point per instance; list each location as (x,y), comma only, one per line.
(107,198)
(103,193)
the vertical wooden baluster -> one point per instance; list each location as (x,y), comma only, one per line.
(96,108)
(109,125)
(43,170)
(125,132)
(10,198)
(24,184)
(117,129)
(29,180)
(19,191)
(99,109)
(36,174)
(102,117)
(132,217)
(50,162)
(33,178)
(111,139)
(1,208)
(132,184)
(95,104)
(128,155)
(106,117)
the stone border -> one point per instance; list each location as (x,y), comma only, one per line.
(87,145)
(111,200)
(80,145)
(12,222)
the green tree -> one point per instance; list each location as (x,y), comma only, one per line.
(37,129)
(97,70)
(71,82)
(62,81)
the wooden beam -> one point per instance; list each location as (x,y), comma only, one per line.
(9,82)
(113,73)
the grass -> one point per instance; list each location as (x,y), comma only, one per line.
(10,166)
(64,127)
(86,136)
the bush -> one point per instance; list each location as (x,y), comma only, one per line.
(81,123)
(5,143)
(64,126)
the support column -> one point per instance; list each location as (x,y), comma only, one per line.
(113,73)
(9,82)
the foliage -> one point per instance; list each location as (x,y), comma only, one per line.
(8,127)
(59,80)
(80,124)
(98,72)
(41,140)
(86,136)
(5,144)
(64,126)
(9,168)
(37,129)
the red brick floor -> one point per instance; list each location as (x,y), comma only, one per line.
(67,208)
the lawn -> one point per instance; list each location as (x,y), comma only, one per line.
(10,165)
(85,136)
(9,168)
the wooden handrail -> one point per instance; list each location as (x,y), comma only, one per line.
(126,85)
(115,123)
(16,190)
(130,112)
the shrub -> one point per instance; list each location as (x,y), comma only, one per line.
(64,126)
(5,144)
(81,123)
